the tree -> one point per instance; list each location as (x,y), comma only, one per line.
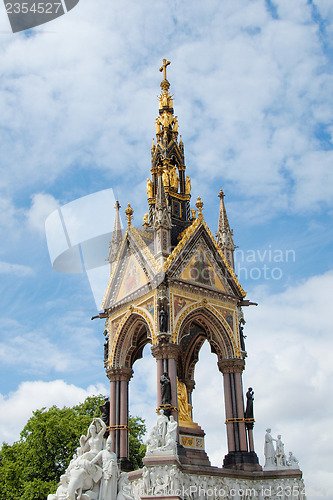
(30,469)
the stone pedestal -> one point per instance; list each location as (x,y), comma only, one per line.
(193,443)
(242,460)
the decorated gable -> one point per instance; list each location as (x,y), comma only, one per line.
(133,279)
(199,260)
(132,272)
(200,270)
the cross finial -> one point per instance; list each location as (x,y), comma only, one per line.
(164,67)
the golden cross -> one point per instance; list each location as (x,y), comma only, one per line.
(164,67)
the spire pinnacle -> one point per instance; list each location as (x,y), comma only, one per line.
(199,204)
(223,218)
(117,235)
(129,214)
(224,234)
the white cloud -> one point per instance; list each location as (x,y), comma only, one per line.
(39,351)
(16,269)
(17,407)
(42,205)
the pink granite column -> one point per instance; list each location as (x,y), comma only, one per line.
(125,375)
(159,371)
(166,355)
(240,410)
(119,379)
(231,368)
(251,443)
(173,382)
(228,412)
(111,376)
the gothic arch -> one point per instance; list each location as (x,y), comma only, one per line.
(199,323)
(134,332)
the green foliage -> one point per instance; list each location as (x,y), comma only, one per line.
(137,449)
(30,469)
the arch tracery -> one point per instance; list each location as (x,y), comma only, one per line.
(134,332)
(214,326)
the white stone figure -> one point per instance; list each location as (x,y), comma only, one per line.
(152,441)
(93,442)
(91,494)
(124,488)
(153,476)
(292,461)
(161,484)
(171,435)
(146,480)
(175,480)
(61,493)
(107,459)
(269,450)
(162,438)
(82,475)
(279,454)
(202,488)
(161,425)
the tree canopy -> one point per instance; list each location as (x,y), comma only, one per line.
(30,468)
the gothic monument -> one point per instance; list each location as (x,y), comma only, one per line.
(173,285)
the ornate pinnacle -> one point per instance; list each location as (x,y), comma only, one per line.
(221,194)
(224,235)
(199,205)
(129,214)
(116,236)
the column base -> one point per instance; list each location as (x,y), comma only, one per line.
(125,465)
(242,460)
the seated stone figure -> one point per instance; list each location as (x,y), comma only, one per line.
(92,473)
(162,438)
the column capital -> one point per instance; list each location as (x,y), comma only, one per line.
(119,374)
(233,365)
(167,350)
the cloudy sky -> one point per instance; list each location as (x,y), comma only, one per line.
(252,83)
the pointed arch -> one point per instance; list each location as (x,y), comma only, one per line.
(200,322)
(134,332)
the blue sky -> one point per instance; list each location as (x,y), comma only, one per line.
(252,83)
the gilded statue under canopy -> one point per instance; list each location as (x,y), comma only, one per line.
(175,124)
(158,126)
(165,177)
(188,185)
(149,188)
(174,179)
(184,407)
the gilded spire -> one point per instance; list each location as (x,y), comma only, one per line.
(117,235)
(169,188)
(224,234)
